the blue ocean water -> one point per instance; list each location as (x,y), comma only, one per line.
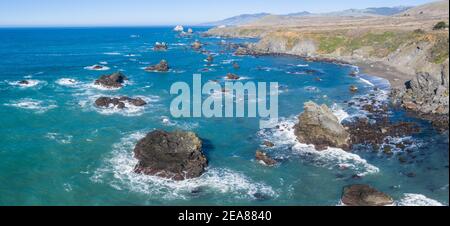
(56,148)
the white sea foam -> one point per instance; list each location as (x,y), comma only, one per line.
(339,113)
(30,83)
(366,81)
(129,110)
(417,200)
(30,104)
(112,53)
(118,172)
(60,138)
(67,82)
(179,124)
(285,139)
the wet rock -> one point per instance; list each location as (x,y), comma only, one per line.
(232,76)
(263,158)
(97,67)
(319,126)
(175,155)
(162,66)
(353,89)
(24,82)
(114,80)
(119,102)
(373,132)
(197,45)
(353,73)
(134,101)
(364,195)
(261,196)
(268,144)
(160,46)
(210,59)
(387,150)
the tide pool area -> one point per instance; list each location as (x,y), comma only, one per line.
(58,148)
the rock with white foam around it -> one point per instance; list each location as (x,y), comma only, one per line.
(364,195)
(114,80)
(173,155)
(265,159)
(319,126)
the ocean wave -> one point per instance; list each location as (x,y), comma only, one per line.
(282,135)
(120,166)
(417,200)
(112,53)
(339,112)
(30,104)
(30,83)
(67,82)
(60,138)
(178,124)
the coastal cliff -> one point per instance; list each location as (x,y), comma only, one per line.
(406,49)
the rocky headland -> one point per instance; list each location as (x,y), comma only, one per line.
(407,49)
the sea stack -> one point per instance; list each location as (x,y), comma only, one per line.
(319,126)
(162,66)
(114,80)
(175,155)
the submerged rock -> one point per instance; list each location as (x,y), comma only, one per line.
(160,46)
(119,102)
(268,144)
(364,195)
(162,66)
(210,59)
(197,45)
(353,89)
(263,158)
(114,80)
(319,126)
(174,155)
(374,132)
(232,76)
(236,66)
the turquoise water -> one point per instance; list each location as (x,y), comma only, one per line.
(56,148)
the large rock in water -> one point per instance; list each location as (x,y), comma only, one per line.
(119,102)
(319,126)
(162,66)
(364,195)
(114,80)
(176,155)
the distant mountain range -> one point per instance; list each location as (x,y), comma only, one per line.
(248,18)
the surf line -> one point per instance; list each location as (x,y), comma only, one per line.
(227,101)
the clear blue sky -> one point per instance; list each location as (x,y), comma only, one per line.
(162,12)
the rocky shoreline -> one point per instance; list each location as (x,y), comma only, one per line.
(409,91)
